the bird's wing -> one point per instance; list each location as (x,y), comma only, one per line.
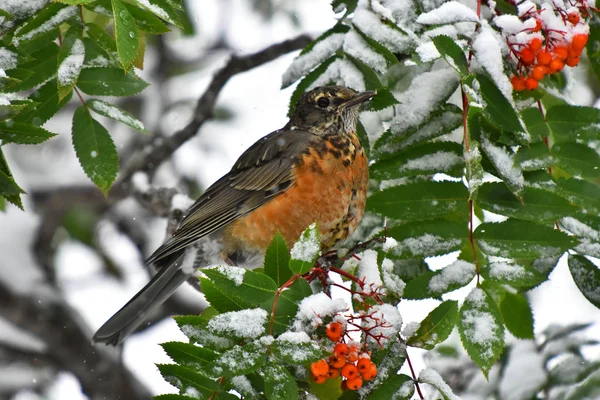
(263,171)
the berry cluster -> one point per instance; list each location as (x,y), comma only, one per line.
(551,38)
(346,360)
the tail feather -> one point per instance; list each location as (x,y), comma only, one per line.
(148,299)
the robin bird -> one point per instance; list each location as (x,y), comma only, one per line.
(314,169)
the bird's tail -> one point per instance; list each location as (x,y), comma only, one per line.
(148,299)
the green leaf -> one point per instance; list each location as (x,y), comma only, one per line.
(185,379)
(452,53)
(241,360)
(444,119)
(126,34)
(47,105)
(166,10)
(95,149)
(222,299)
(105,42)
(517,315)
(428,238)
(253,289)
(279,383)
(110,82)
(74,2)
(21,133)
(70,61)
(568,123)
(593,46)
(44,66)
(9,190)
(146,21)
(535,123)
(113,112)
(398,387)
(474,169)
(535,157)
(421,201)
(521,239)
(436,327)
(190,355)
(426,159)
(349,5)
(481,329)
(196,329)
(372,81)
(581,193)
(577,159)
(296,348)
(433,284)
(499,109)
(277,260)
(382,100)
(513,274)
(534,205)
(44,20)
(12,110)
(39,41)
(586,276)
(305,251)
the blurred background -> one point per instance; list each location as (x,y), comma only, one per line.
(69,261)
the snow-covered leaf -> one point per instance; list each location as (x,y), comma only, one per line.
(188,380)
(420,201)
(474,169)
(581,193)
(70,62)
(521,239)
(252,287)
(196,329)
(499,109)
(536,156)
(306,250)
(504,161)
(512,274)
(436,327)
(428,238)
(435,283)
(189,355)
(43,21)
(398,387)
(113,112)
(587,277)
(481,329)
(44,65)
(22,133)
(279,383)
(452,53)
(448,13)
(517,315)
(431,377)
(167,10)
(297,348)
(429,158)
(568,122)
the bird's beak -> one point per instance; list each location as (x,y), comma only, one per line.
(358,99)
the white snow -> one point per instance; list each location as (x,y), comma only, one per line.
(291,340)
(140,182)
(448,13)
(8,59)
(383,313)
(235,274)
(504,162)
(247,324)
(181,202)
(370,23)
(61,16)
(410,329)
(357,47)
(306,62)
(427,52)
(294,337)
(440,161)
(508,271)
(578,228)
(243,385)
(307,248)
(341,72)
(69,69)
(368,271)
(427,244)
(488,52)
(392,282)
(314,308)
(389,244)
(460,272)
(479,325)
(156,10)
(431,376)
(422,97)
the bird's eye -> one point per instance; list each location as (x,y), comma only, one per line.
(323,102)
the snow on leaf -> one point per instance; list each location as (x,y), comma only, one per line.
(488,52)
(314,308)
(357,47)
(246,324)
(370,23)
(306,62)
(368,271)
(69,69)
(341,72)
(460,272)
(431,376)
(62,15)
(393,284)
(8,59)
(234,274)
(448,13)
(307,248)
(505,164)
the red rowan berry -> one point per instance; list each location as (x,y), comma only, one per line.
(320,379)
(556,65)
(543,57)
(349,371)
(573,18)
(354,383)
(341,350)
(538,72)
(531,84)
(535,44)
(561,52)
(527,56)
(572,61)
(363,364)
(579,41)
(538,25)
(337,361)
(333,373)
(518,83)
(319,368)
(334,331)
(370,373)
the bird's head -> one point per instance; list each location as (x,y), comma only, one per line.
(328,109)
